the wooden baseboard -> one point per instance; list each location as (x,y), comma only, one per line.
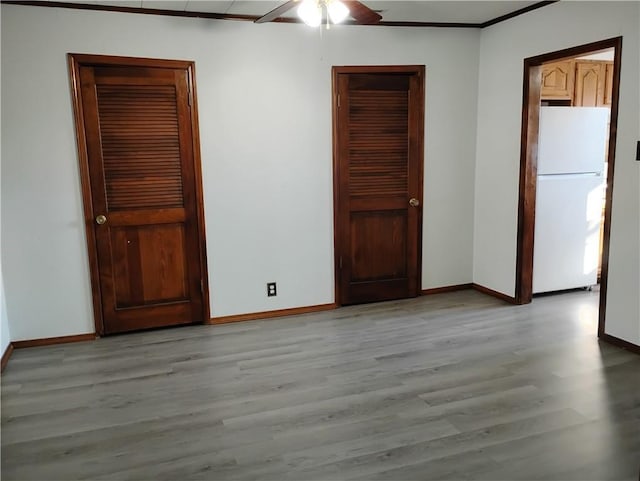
(269,314)
(616,341)
(496,294)
(440,290)
(5,356)
(48,341)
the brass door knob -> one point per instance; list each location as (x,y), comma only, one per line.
(101,219)
(413,202)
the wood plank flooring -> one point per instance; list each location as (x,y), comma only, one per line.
(453,386)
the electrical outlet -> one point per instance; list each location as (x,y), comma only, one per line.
(271,289)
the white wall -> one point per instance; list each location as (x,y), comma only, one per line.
(265,126)
(503,49)
(5,332)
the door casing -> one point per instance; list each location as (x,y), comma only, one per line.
(529,162)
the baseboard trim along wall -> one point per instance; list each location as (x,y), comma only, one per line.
(616,341)
(252,316)
(440,290)
(5,356)
(48,341)
(491,292)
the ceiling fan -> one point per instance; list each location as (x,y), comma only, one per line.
(310,11)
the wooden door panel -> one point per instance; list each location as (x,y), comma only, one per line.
(558,80)
(608,83)
(374,291)
(140,146)
(378,141)
(142,173)
(383,82)
(378,245)
(588,88)
(173,314)
(163,262)
(589,84)
(150,265)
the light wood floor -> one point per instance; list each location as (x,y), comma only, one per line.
(454,386)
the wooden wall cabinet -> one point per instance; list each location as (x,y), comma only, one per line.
(558,80)
(586,83)
(608,83)
(590,80)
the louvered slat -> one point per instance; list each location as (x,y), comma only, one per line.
(378,143)
(141,146)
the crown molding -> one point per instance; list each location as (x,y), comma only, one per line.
(253,18)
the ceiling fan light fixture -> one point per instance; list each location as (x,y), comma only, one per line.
(310,12)
(337,10)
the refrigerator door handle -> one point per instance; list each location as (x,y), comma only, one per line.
(571,174)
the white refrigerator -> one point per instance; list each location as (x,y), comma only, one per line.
(569,197)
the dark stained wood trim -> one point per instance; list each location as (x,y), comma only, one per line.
(83,59)
(496,294)
(76,61)
(577,51)
(295,311)
(420,148)
(391,23)
(253,18)
(405,69)
(528,180)
(49,341)
(144,11)
(517,13)
(277,12)
(613,135)
(528,168)
(5,356)
(441,290)
(420,71)
(616,341)
(83,163)
(337,248)
(199,191)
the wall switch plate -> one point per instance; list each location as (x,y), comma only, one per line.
(271,289)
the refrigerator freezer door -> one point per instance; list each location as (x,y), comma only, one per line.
(572,139)
(567,232)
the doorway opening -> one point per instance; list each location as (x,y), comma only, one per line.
(584,82)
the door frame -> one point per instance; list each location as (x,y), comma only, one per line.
(76,62)
(419,120)
(529,165)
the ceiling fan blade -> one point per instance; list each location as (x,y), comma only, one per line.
(277,12)
(361,13)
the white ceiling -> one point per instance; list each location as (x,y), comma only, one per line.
(476,11)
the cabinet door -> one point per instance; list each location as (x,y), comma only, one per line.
(589,84)
(608,83)
(558,80)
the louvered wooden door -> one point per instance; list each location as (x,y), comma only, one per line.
(378,156)
(144,195)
